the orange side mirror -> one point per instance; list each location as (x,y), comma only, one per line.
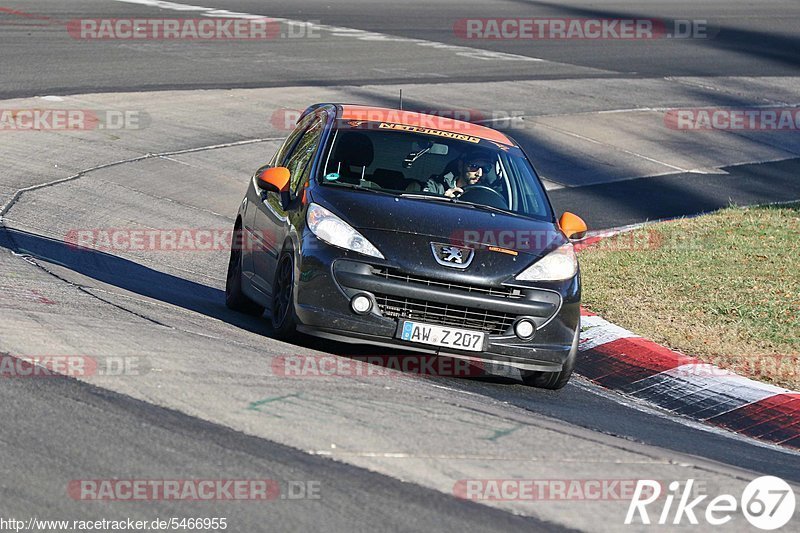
(573,226)
(275,179)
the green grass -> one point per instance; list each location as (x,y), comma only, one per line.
(724,287)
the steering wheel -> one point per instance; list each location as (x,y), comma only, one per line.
(481,194)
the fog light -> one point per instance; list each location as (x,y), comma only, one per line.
(524,329)
(361,304)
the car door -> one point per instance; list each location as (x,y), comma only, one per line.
(271,221)
(257,242)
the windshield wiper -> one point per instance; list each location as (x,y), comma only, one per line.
(487,207)
(457,202)
(354,186)
(428,197)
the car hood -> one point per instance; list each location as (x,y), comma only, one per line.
(454,224)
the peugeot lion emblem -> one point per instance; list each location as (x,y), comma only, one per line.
(452,256)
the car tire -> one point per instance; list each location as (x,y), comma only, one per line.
(234,297)
(284,322)
(555,380)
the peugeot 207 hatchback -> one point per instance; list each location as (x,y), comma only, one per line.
(407,230)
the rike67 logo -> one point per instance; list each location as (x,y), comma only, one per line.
(767,503)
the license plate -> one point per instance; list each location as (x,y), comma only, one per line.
(459,339)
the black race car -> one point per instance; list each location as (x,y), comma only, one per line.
(401,229)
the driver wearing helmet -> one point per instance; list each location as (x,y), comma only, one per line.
(472,167)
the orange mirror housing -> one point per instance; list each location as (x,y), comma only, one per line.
(573,226)
(275,179)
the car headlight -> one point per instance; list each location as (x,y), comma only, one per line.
(333,230)
(558,265)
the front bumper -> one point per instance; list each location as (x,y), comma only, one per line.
(329,277)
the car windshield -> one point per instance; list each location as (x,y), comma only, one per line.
(433,165)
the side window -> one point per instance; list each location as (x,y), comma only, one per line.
(299,161)
(529,194)
(286,146)
(285,151)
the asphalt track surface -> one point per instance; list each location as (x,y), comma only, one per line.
(753,39)
(196,415)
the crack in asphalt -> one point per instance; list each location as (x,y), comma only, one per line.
(18,194)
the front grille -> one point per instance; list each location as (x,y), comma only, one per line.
(492,322)
(503,292)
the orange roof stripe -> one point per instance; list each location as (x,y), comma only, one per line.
(422,120)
